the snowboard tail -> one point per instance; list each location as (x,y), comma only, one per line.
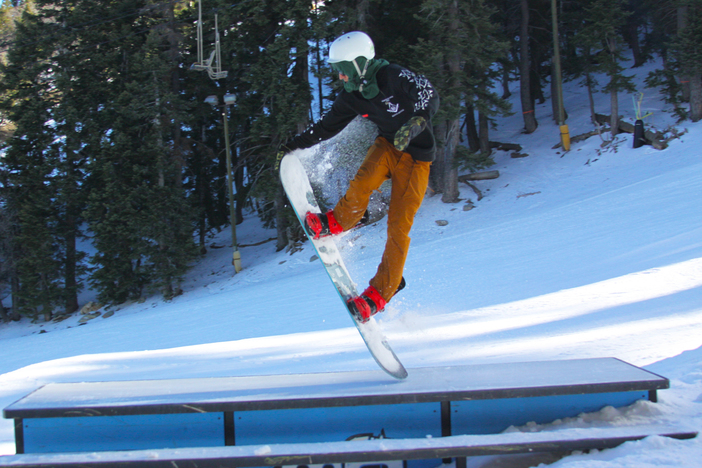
(299,191)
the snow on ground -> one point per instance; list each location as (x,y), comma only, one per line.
(592,253)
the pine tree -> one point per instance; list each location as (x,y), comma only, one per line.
(7,257)
(104,93)
(687,53)
(30,101)
(139,215)
(603,21)
(461,47)
(636,22)
(525,66)
(271,51)
(72,117)
(659,38)
(8,218)
(581,61)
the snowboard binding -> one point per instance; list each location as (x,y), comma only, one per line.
(366,305)
(320,225)
(369,303)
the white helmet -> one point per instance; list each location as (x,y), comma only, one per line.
(351,45)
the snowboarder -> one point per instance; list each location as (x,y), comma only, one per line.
(401,103)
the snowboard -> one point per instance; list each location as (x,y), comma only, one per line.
(299,191)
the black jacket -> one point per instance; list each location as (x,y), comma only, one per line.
(402,96)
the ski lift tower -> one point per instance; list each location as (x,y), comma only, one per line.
(213,67)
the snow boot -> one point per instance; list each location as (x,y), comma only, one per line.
(402,285)
(365,219)
(322,225)
(366,305)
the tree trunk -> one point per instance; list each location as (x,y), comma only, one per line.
(486,175)
(71,283)
(537,93)
(281,221)
(506,93)
(320,81)
(591,99)
(176,126)
(71,230)
(453,126)
(588,84)
(684,79)
(696,97)
(437,174)
(16,301)
(613,95)
(450,173)
(471,132)
(46,309)
(201,189)
(484,131)
(361,13)
(631,35)
(614,119)
(530,123)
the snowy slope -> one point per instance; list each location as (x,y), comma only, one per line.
(593,253)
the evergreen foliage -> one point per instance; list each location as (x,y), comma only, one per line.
(659,38)
(461,46)
(137,208)
(687,54)
(31,102)
(599,38)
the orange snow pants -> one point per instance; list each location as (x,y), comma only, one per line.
(409,183)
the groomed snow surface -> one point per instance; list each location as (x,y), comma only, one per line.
(592,253)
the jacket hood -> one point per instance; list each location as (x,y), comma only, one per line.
(367,85)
